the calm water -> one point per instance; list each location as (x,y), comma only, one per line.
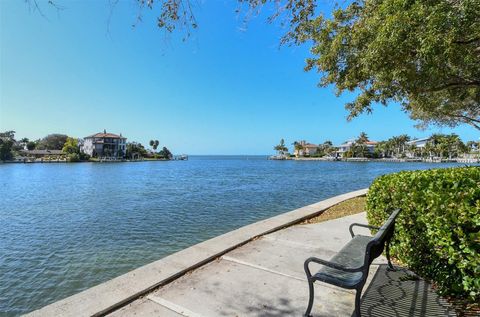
(67,227)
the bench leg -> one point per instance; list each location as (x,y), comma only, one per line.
(310,299)
(358,294)
(387,251)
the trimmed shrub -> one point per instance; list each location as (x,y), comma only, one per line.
(438,230)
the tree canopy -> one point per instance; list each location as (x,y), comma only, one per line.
(281,147)
(52,142)
(7,141)
(135,150)
(422,54)
(71,146)
(165,153)
(154,144)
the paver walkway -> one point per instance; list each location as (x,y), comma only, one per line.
(265,278)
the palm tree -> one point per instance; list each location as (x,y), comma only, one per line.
(402,140)
(155,144)
(429,149)
(470,145)
(414,150)
(327,147)
(389,146)
(455,146)
(281,148)
(298,147)
(381,149)
(359,144)
(396,144)
(362,138)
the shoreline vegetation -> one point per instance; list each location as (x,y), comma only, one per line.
(95,160)
(436,148)
(100,147)
(364,159)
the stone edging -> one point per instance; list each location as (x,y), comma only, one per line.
(110,295)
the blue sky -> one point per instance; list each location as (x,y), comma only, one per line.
(224,91)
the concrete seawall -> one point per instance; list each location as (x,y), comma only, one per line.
(108,296)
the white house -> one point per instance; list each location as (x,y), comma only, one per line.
(347,145)
(418,143)
(104,144)
(344,147)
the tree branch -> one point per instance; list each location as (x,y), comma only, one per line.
(468,120)
(470,41)
(453,85)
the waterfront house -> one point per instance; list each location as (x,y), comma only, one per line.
(347,146)
(104,145)
(371,146)
(344,147)
(306,149)
(41,153)
(419,144)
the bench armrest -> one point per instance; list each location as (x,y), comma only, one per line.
(360,225)
(329,264)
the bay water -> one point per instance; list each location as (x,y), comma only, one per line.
(68,227)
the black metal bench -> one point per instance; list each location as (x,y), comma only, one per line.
(349,267)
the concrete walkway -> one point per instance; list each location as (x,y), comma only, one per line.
(265,278)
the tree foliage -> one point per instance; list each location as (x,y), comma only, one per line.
(281,147)
(7,141)
(154,144)
(165,153)
(31,145)
(359,147)
(179,15)
(438,145)
(424,55)
(52,142)
(447,146)
(325,149)
(71,146)
(437,233)
(362,138)
(135,150)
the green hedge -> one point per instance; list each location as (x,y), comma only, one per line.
(438,231)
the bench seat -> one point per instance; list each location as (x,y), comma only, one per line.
(351,255)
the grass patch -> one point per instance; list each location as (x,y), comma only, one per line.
(346,208)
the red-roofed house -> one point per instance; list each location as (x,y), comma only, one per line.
(371,146)
(104,145)
(307,149)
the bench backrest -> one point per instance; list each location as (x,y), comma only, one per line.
(384,234)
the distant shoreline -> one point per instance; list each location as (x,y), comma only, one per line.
(390,160)
(274,158)
(88,161)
